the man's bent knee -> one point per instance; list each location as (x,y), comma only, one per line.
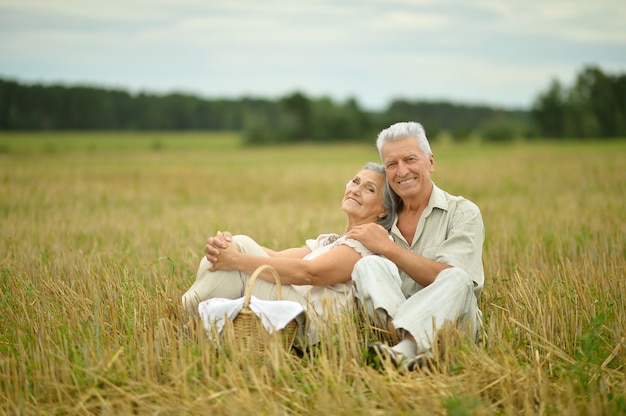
(375,267)
(457,277)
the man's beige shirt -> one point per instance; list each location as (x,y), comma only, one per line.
(450,231)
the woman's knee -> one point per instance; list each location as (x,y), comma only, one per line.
(242,239)
(246,244)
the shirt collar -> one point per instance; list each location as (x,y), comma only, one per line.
(437,200)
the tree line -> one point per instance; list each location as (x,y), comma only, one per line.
(594,107)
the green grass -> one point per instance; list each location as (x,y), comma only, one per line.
(73,141)
(100,234)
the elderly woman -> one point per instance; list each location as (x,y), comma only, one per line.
(314,275)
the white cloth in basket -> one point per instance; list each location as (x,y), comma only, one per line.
(274,314)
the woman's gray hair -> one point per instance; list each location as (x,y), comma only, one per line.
(402,130)
(388,203)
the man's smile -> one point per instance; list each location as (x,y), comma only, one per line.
(406,181)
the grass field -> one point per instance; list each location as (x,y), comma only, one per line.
(100,234)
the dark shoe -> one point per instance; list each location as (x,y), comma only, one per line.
(381,355)
(420,362)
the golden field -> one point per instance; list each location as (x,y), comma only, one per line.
(100,235)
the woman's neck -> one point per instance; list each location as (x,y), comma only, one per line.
(351,224)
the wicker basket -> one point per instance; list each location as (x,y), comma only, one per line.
(247,329)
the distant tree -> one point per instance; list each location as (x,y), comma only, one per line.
(298,107)
(598,97)
(333,121)
(549,111)
(594,107)
(457,119)
(500,129)
(294,117)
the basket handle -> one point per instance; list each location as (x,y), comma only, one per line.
(257,272)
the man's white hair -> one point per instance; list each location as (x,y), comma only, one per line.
(402,130)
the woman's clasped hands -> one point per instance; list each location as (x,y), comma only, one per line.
(220,252)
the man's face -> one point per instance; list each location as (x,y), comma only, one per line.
(408,168)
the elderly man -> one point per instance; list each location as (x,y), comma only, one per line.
(432,272)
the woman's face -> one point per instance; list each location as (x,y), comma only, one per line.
(363,198)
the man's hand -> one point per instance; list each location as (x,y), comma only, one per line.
(372,236)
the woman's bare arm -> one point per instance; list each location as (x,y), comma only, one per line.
(296,252)
(329,268)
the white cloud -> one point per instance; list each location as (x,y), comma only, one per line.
(483,51)
(574,20)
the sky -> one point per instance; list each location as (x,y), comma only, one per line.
(500,53)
